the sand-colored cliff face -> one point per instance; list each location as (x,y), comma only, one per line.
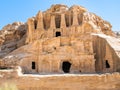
(57,41)
(106,48)
(59,36)
(12,36)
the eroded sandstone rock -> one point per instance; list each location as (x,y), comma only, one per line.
(60,40)
(12,36)
(35,55)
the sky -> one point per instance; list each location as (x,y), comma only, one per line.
(20,10)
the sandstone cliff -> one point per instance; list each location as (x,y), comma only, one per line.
(98,23)
(106,48)
(12,36)
(57,41)
(57,34)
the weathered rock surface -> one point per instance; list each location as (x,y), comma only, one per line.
(98,23)
(57,41)
(12,36)
(61,81)
(108,48)
(63,35)
(117,33)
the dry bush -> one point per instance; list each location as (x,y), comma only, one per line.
(7,86)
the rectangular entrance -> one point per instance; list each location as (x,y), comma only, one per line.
(66,66)
(58,34)
(33,65)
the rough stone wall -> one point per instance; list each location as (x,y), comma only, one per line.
(104,51)
(51,53)
(61,82)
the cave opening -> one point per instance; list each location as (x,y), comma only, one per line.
(58,34)
(66,66)
(33,65)
(35,24)
(107,64)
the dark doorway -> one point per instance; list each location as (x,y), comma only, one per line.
(33,65)
(107,64)
(58,34)
(66,66)
(35,24)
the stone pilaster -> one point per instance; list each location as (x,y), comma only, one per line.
(52,22)
(63,22)
(30,31)
(40,24)
(75,19)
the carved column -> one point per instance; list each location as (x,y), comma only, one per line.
(30,31)
(63,22)
(75,19)
(40,21)
(52,22)
(52,26)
